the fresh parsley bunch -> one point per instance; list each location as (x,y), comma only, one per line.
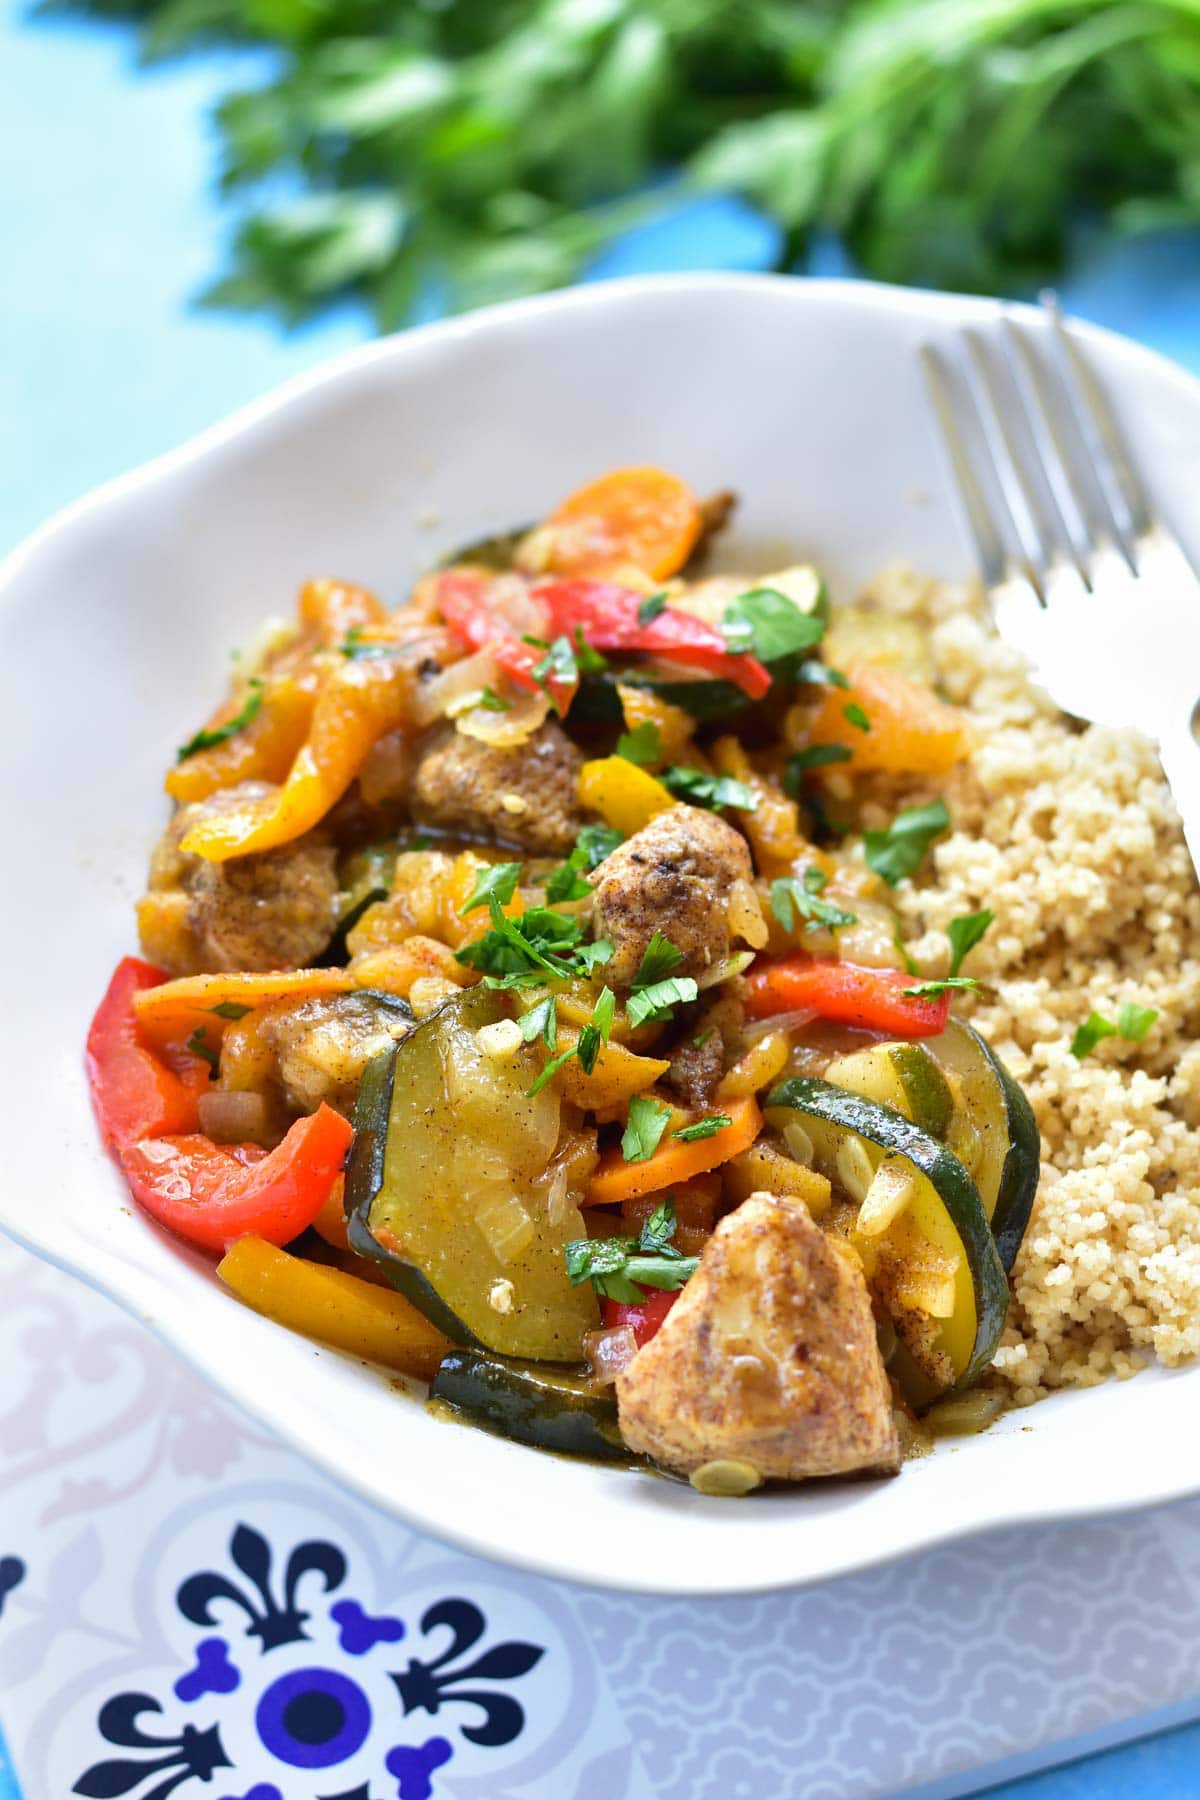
(484,148)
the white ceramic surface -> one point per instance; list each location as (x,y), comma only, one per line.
(116,623)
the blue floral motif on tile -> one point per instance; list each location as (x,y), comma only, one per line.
(12,1574)
(289,1722)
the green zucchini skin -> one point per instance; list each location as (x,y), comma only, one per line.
(364,1178)
(1022,1165)
(531,1403)
(890,1130)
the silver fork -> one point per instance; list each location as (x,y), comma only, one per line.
(1084,576)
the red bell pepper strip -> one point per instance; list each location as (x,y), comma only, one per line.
(213,1194)
(463,603)
(644,1319)
(607,615)
(135,1093)
(873,999)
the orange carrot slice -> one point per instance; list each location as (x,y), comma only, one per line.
(616,1181)
(908,729)
(642,516)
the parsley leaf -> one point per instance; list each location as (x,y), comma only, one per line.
(539,939)
(703,1128)
(820,674)
(199,1046)
(790,897)
(854,715)
(897,853)
(358,648)
(587,656)
(491,701)
(658,1000)
(551,1069)
(701,1038)
(932,990)
(712,791)
(499,879)
(541,1021)
(229,1009)
(1089,1034)
(1134,1021)
(813,756)
(615,1265)
(646,1122)
(565,882)
(659,1228)
(658,959)
(208,740)
(767,624)
(558,666)
(642,745)
(604,1011)
(595,842)
(910,963)
(964,933)
(591,957)
(649,609)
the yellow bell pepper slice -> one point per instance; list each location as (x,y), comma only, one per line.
(335,1308)
(263,750)
(171,1012)
(334,608)
(625,796)
(617,1074)
(357,704)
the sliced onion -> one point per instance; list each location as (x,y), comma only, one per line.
(234,1118)
(609,1351)
(745,915)
(508,729)
(725,971)
(469,675)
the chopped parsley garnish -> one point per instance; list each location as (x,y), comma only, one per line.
(649,609)
(355,646)
(558,666)
(854,715)
(595,842)
(791,898)
(551,1069)
(491,701)
(566,882)
(499,879)
(766,624)
(621,1267)
(659,998)
(1133,1022)
(701,1038)
(587,656)
(604,1012)
(703,1128)
(199,1046)
(964,933)
(933,990)
(814,756)
(910,962)
(898,852)
(229,1009)
(421,841)
(819,674)
(712,791)
(642,745)
(645,1124)
(208,740)
(542,1021)
(513,951)
(658,959)
(591,1038)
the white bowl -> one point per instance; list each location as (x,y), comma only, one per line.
(115,632)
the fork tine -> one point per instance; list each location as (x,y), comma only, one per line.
(1047,529)
(984,501)
(1053,419)
(1098,426)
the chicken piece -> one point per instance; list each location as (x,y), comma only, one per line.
(273,910)
(677,875)
(769,1357)
(524,796)
(323,1045)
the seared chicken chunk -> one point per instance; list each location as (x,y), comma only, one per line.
(769,1357)
(272,910)
(524,796)
(677,875)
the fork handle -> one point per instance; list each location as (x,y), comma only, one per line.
(1180,754)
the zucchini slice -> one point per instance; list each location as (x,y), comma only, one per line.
(549,1408)
(446,1188)
(904,1076)
(1006,1159)
(944,1206)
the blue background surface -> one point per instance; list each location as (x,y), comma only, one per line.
(109,225)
